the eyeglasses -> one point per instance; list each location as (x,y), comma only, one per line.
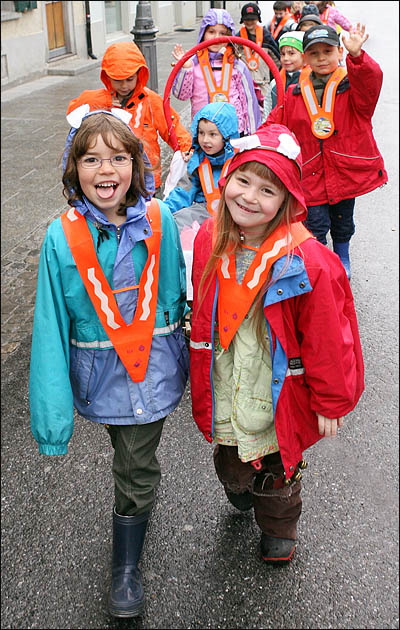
(117,161)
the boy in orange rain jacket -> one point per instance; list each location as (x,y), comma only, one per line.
(125,74)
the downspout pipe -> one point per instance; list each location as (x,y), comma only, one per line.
(88,32)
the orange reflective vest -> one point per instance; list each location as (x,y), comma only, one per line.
(216,92)
(235,300)
(211,192)
(322,125)
(132,342)
(252,58)
(275,31)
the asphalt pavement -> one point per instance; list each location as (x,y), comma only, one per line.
(201,562)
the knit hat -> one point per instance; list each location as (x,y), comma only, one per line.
(276,147)
(293,39)
(320,34)
(310,9)
(310,17)
(250,11)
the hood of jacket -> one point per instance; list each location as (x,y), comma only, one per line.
(213,17)
(224,116)
(121,60)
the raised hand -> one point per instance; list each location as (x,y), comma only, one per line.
(357,36)
(178,53)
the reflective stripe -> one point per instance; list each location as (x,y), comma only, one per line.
(311,103)
(225,266)
(71,214)
(258,271)
(147,289)
(201,345)
(207,179)
(103,299)
(138,113)
(97,345)
(355,157)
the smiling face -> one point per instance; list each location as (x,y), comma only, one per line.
(124,87)
(216,30)
(323,58)
(106,186)
(209,138)
(291,58)
(250,24)
(253,202)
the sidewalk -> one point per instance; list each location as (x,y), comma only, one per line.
(34,130)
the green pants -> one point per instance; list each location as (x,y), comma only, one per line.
(135,468)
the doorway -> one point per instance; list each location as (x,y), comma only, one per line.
(55,29)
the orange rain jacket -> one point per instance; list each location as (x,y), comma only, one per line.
(122,60)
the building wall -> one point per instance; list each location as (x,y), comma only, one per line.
(27,32)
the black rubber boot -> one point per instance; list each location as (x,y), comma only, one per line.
(277,550)
(243,501)
(126,596)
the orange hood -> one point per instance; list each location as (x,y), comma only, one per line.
(122,60)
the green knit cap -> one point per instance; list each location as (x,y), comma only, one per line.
(293,39)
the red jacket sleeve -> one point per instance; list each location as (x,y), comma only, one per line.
(365,78)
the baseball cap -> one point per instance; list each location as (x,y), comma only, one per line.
(293,39)
(320,34)
(250,11)
(310,17)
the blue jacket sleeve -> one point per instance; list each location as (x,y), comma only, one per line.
(180,198)
(50,393)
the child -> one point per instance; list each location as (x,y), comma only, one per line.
(282,21)
(124,73)
(254,31)
(258,275)
(107,336)
(332,16)
(292,71)
(307,21)
(330,114)
(216,75)
(212,129)
(296,10)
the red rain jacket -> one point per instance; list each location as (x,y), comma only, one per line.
(348,164)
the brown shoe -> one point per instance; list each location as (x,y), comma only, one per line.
(277,550)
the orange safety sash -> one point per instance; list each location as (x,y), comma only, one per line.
(303,75)
(324,15)
(211,192)
(322,125)
(132,342)
(235,300)
(216,92)
(252,58)
(275,31)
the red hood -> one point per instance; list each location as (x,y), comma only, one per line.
(122,60)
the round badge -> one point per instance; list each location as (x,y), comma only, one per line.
(253,64)
(218,98)
(322,127)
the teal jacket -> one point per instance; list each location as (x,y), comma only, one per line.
(73,362)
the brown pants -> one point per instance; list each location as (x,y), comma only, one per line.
(277,507)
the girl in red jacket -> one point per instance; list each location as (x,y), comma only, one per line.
(330,112)
(275,353)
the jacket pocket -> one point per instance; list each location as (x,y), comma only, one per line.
(354,162)
(81,372)
(313,165)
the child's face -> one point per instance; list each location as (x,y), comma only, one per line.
(106,185)
(304,26)
(252,202)
(216,30)
(323,58)
(279,13)
(210,139)
(250,25)
(123,87)
(291,58)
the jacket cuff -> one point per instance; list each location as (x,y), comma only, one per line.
(356,60)
(53,449)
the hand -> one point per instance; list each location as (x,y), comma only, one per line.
(115,101)
(178,53)
(353,43)
(186,155)
(327,426)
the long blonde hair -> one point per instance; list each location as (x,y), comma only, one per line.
(227,239)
